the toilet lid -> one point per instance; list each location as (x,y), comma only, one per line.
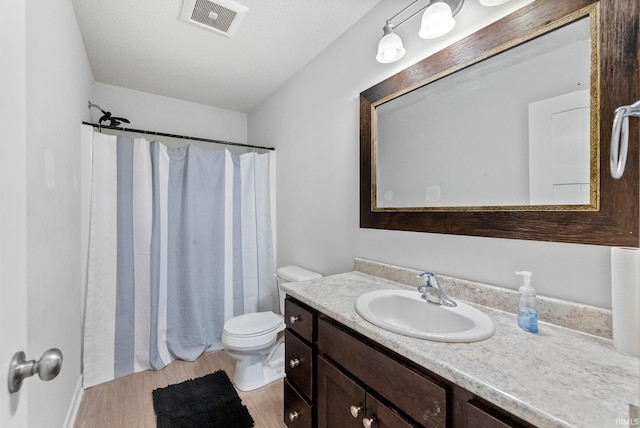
(253,324)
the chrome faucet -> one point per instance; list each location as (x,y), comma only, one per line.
(431,291)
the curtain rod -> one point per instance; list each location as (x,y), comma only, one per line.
(184,137)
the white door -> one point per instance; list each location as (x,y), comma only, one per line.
(559,150)
(13,283)
(13,206)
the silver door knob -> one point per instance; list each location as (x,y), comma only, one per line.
(294,363)
(294,318)
(355,410)
(47,368)
(293,416)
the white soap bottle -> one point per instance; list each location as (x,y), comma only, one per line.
(527,314)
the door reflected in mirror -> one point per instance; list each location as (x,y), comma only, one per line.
(518,129)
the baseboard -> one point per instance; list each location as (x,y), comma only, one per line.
(70,420)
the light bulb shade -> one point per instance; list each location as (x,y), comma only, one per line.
(390,48)
(490,3)
(436,21)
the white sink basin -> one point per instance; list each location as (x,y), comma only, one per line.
(404,312)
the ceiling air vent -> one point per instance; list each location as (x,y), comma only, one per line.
(221,16)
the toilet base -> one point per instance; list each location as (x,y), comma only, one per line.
(255,371)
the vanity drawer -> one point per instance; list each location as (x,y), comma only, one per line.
(411,392)
(299,364)
(299,319)
(479,415)
(297,412)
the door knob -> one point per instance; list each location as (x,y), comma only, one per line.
(47,367)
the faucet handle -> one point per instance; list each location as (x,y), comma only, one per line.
(427,278)
(427,281)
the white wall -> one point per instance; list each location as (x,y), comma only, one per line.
(157,113)
(58,84)
(313,120)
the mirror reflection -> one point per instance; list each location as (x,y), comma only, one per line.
(512,130)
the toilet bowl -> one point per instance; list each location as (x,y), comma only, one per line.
(255,341)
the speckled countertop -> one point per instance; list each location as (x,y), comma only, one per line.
(557,378)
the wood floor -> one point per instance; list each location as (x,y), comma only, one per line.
(126,402)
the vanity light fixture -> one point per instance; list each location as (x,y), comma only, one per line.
(390,47)
(437,21)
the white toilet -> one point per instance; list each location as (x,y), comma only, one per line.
(253,339)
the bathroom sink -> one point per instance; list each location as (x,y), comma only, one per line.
(405,312)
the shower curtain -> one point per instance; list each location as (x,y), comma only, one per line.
(179,242)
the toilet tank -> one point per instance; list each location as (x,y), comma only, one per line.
(292,273)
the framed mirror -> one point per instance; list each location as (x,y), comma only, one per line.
(505,133)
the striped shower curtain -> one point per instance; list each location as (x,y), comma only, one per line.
(179,242)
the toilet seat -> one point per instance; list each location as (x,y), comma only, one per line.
(250,331)
(253,324)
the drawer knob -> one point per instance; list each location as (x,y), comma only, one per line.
(368,422)
(355,410)
(294,318)
(294,363)
(293,416)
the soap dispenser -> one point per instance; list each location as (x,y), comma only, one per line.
(527,314)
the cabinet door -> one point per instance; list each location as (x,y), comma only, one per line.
(336,395)
(382,416)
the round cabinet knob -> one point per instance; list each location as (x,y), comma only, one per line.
(368,422)
(294,363)
(355,410)
(293,416)
(294,318)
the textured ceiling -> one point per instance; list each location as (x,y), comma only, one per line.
(143,45)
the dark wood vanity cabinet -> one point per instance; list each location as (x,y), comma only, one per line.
(337,378)
(300,365)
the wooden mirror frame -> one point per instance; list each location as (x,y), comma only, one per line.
(616,222)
